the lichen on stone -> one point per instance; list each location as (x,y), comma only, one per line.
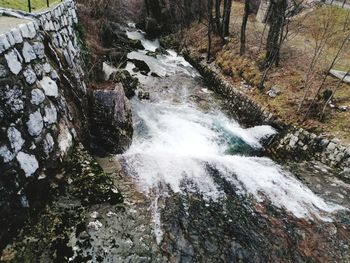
(48,144)
(6,154)
(50,114)
(15,139)
(65,140)
(49,86)
(37,97)
(28,52)
(13,63)
(28,163)
(35,123)
(29,75)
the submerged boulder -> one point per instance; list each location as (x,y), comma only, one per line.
(111,127)
(141,66)
(143,95)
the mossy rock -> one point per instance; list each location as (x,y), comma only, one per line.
(46,234)
(169,42)
(90,184)
(130,83)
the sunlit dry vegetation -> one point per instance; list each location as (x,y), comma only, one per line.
(315,41)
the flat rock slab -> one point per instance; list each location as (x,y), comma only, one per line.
(7,23)
(340,75)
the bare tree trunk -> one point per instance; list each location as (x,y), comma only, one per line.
(244,26)
(273,44)
(264,76)
(226,18)
(147,7)
(333,93)
(310,72)
(187,12)
(262,36)
(218,17)
(325,77)
(275,37)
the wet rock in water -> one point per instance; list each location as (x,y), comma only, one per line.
(153,74)
(130,83)
(158,51)
(142,66)
(113,36)
(136,44)
(152,54)
(169,41)
(162,51)
(141,25)
(111,123)
(152,27)
(273,92)
(143,95)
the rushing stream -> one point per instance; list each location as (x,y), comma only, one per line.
(211,194)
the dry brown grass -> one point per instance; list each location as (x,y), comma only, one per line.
(289,77)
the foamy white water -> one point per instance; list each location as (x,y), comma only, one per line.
(177,143)
(177,146)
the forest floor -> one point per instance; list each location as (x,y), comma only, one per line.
(296,55)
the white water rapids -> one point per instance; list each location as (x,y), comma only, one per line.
(176,142)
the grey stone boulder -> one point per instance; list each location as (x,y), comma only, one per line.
(113,35)
(141,65)
(273,92)
(111,126)
(343,108)
(152,27)
(143,95)
(130,83)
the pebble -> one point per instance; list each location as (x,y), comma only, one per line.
(95,225)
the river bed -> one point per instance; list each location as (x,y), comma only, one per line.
(198,187)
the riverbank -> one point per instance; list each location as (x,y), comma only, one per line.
(215,195)
(51,230)
(292,142)
(244,72)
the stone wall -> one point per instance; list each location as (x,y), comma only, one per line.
(300,144)
(291,142)
(42,102)
(243,108)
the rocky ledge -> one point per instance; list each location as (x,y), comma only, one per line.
(111,121)
(49,235)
